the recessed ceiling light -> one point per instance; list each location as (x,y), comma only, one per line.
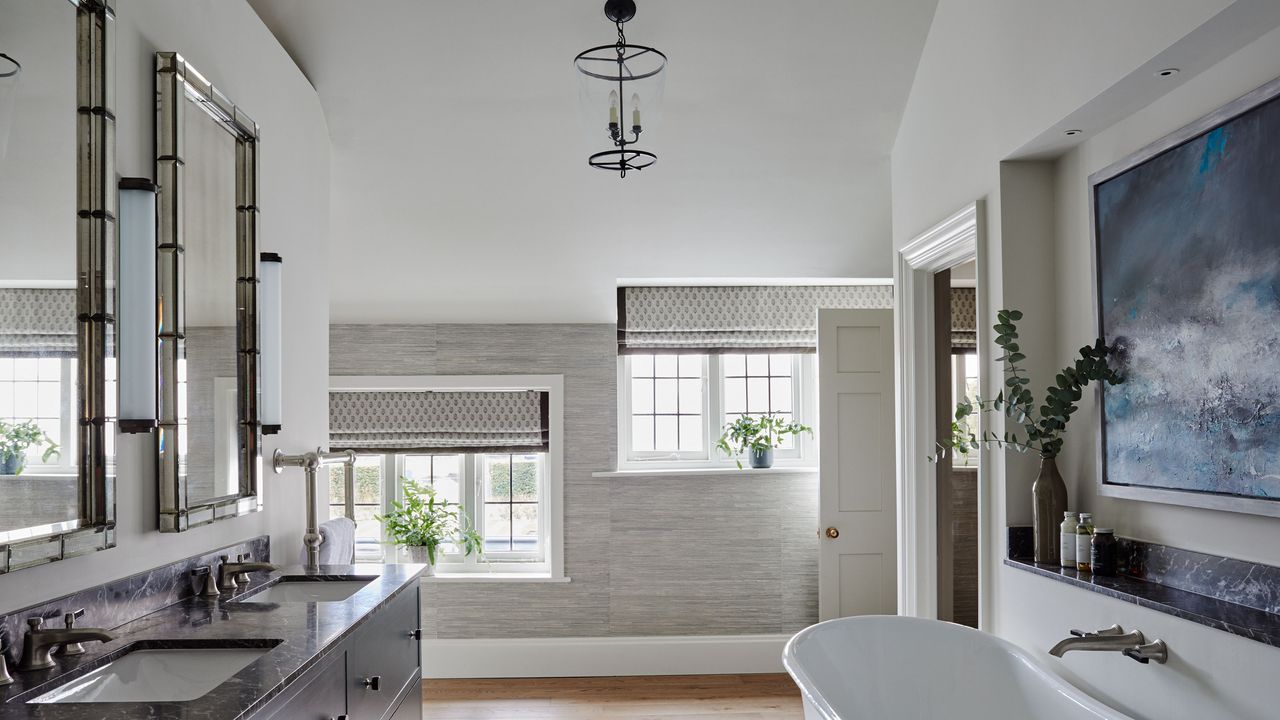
(1168,72)
(1073,132)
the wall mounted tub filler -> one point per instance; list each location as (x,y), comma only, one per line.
(310,462)
(1132,644)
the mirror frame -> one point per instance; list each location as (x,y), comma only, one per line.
(180,88)
(95,527)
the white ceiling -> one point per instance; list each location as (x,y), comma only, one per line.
(460,189)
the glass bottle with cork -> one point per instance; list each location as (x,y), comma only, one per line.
(1084,543)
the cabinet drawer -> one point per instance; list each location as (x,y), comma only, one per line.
(383,657)
(322,694)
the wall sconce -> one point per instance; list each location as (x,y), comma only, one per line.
(137,307)
(271,341)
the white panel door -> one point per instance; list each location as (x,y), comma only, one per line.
(857,560)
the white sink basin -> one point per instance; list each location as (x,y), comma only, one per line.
(156,676)
(307,591)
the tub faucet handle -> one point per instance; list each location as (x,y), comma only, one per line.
(1154,650)
(1104,632)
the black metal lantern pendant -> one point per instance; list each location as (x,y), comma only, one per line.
(616,80)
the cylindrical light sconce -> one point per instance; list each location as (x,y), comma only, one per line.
(137,307)
(271,341)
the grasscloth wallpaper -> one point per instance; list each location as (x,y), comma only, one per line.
(648,555)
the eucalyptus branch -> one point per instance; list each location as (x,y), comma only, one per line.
(1041,427)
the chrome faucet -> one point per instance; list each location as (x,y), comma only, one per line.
(228,571)
(1131,644)
(41,641)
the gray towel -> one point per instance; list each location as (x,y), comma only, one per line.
(337,542)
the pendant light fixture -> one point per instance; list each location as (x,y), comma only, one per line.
(620,83)
(10,70)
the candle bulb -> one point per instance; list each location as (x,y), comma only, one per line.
(613,107)
(635,110)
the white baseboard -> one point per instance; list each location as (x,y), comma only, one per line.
(602,656)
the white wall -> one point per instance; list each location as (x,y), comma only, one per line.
(1019,69)
(227,42)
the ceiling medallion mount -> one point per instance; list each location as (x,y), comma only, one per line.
(617,78)
(619,11)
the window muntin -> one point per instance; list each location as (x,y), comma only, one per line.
(732,385)
(756,385)
(512,490)
(667,405)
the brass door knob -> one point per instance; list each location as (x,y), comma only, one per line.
(833,533)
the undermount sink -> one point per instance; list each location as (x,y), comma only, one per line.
(308,590)
(155,675)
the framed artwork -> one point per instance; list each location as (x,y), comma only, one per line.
(1187,268)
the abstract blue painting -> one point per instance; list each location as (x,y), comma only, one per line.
(1187,244)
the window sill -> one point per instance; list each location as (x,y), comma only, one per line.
(704,471)
(447,577)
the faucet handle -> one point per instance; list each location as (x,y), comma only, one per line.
(1154,650)
(210,588)
(72,648)
(1113,630)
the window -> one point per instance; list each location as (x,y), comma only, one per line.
(667,408)
(964,384)
(672,408)
(44,390)
(512,499)
(501,497)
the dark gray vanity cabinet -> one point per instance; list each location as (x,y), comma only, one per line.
(375,674)
(383,659)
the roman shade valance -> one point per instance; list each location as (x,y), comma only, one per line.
(439,421)
(719,319)
(964,320)
(38,322)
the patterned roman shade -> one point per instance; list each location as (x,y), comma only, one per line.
(717,319)
(964,320)
(38,321)
(439,421)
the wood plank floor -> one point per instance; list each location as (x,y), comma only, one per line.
(673,697)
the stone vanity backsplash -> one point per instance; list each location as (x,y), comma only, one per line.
(117,602)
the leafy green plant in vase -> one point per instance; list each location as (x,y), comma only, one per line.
(1039,428)
(423,522)
(15,438)
(757,437)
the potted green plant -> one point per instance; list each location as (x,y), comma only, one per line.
(1039,428)
(757,437)
(422,522)
(15,438)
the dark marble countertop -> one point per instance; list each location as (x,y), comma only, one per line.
(299,635)
(1234,618)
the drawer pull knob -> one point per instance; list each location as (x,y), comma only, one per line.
(416,633)
(373,682)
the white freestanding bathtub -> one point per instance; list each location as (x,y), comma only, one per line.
(884,667)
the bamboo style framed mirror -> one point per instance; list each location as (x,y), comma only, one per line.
(57,281)
(208,443)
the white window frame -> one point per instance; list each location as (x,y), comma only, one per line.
(803,405)
(551,502)
(68,422)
